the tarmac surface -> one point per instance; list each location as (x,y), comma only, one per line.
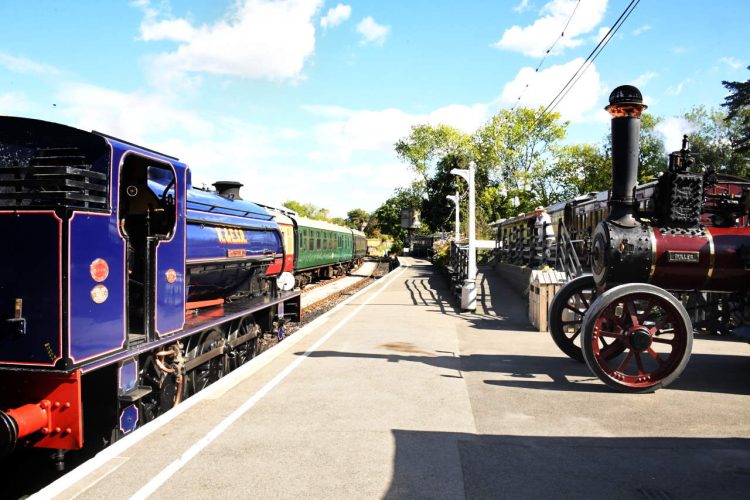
(395,394)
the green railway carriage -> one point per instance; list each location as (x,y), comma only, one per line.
(360,246)
(321,244)
(325,250)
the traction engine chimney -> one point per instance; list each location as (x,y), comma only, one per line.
(625,107)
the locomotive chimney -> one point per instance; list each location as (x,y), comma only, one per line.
(625,107)
(228,189)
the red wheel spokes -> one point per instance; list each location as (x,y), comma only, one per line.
(630,309)
(648,369)
(655,356)
(625,361)
(639,363)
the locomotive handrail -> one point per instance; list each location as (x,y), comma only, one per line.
(567,258)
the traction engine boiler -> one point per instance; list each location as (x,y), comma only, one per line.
(635,335)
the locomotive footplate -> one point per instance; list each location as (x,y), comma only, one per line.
(204,318)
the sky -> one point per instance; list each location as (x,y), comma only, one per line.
(304,99)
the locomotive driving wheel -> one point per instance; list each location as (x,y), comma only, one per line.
(566,312)
(650,326)
(247,329)
(212,370)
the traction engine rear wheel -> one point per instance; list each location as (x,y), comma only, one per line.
(566,312)
(650,325)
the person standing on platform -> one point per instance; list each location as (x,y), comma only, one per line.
(544,233)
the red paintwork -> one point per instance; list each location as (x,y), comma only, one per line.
(55,418)
(728,271)
(199,304)
(285,263)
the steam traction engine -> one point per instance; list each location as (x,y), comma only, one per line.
(634,334)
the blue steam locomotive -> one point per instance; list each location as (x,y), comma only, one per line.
(109,260)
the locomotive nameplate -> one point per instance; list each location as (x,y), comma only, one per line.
(239,252)
(683,257)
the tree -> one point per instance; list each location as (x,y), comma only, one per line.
(517,145)
(307,210)
(712,138)
(387,218)
(357,218)
(738,104)
(580,169)
(427,144)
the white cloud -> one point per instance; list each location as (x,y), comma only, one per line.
(176,30)
(372,32)
(336,16)
(22,65)
(377,131)
(521,6)
(674,90)
(600,34)
(545,85)
(261,39)
(642,29)
(534,40)
(731,62)
(672,130)
(14,104)
(135,117)
(642,79)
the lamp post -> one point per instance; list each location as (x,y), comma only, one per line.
(455,199)
(469,289)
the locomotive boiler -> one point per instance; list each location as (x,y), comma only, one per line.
(689,238)
(112,264)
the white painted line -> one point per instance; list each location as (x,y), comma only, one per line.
(166,473)
(225,383)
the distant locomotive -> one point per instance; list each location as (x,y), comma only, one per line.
(686,233)
(110,260)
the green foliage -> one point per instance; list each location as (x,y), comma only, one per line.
(738,104)
(712,138)
(427,144)
(517,147)
(386,220)
(307,210)
(581,168)
(357,218)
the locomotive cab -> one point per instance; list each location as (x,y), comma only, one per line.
(145,218)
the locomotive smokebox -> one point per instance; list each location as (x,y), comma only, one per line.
(228,189)
(625,107)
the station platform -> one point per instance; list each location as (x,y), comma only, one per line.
(396,394)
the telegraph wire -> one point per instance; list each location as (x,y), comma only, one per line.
(549,50)
(591,58)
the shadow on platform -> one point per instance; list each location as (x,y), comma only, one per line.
(499,307)
(712,373)
(455,465)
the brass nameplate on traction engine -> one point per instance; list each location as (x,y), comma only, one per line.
(683,257)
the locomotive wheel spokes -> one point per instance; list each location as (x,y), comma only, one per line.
(566,312)
(651,330)
(245,350)
(212,370)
